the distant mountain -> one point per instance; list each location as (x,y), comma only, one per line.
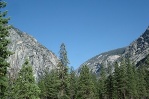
(24,47)
(136,51)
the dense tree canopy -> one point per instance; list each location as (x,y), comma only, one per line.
(25,86)
(4,53)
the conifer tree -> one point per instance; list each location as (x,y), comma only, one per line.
(116,92)
(73,84)
(85,89)
(131,80)
(63,55)
(49,85)
(109,83)
(42,86)
(122,80)
(25,86)
(4,53)
(142,91)
(147,82)
(102,83)
(147,74)
(62,69)
(95,83)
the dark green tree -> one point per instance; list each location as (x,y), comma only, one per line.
(62,70)
(25,86)
(95,82)
(48,85)
(131,80)
(63,55)
(122,79)
(147,74)
(73,84)
(4,53)
(102,83)
(116,91)
(141,86)
(147,82)
(109,83)
(42,86)
(85,89)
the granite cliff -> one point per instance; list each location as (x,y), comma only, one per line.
(24,47)
(136,51)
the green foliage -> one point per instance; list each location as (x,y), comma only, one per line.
(109,83)
(63,55)
(142,91)
(85,89)
(62,70)
(116,73)
(49,84)
(143,77)
(147,81)
(126,82)
(72,84)
(122,80)
(131,80)
(4,53)
(25,86)
(146,67)
(102,83)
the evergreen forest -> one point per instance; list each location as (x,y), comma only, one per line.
(123,80)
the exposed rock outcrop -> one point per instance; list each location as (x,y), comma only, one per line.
(136,51)
(25,46)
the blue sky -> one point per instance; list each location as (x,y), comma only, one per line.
(87,27)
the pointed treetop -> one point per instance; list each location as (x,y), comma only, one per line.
(2,4)
(63,55)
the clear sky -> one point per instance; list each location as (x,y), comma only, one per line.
(87,27)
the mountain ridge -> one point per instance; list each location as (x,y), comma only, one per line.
(135,51)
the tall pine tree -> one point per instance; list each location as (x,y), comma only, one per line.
(141,87)
(102,83)
(4,53)
(73,84)
(147,75)
(122,79)
(48,85)
(109,83)
(85,89)
(116,92)
(131,80)
(62,69)
(25,86)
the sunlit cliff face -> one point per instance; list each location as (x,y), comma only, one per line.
(24,47)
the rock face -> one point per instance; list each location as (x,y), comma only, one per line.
(103,58)
(26,47)
(136,51)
